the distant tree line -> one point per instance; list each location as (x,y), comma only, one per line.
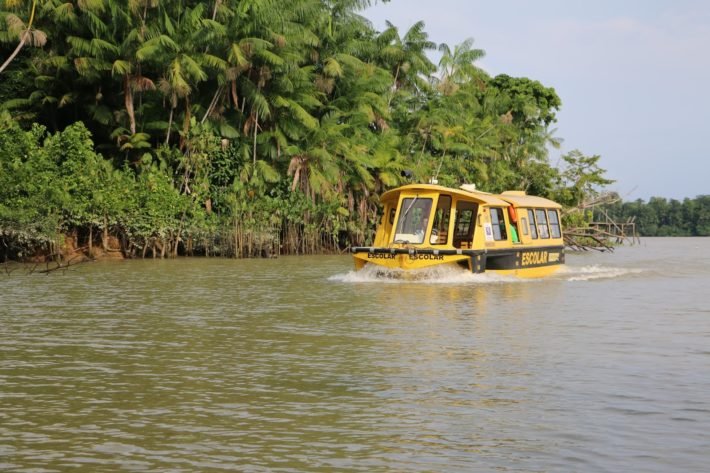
(238,127)
(663,217)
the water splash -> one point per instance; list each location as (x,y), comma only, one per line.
(441,274)
(447,274)
(589,273)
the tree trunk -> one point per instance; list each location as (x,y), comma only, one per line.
(170,125)
(394,86)
(185,125)
(236,238)
(104,239)
(256,127)
(23,38)
(213,103)
(426,137)
(216,6)
(235,97)
(15,52)
(128,93)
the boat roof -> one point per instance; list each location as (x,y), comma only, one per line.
(521,199)
(516,198)
(482,197)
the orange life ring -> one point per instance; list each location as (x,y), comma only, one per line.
(512,214)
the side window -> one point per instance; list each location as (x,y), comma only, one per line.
(524,225)
(554,223)
(533,228)
(542,223)
(463,223)
(498,224)
(440,229)
(392,214)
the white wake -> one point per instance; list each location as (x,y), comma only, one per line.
(441,274)
(589,273)
(447,274)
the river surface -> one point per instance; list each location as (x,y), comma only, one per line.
(297,364)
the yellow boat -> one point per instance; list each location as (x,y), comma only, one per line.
(424,225)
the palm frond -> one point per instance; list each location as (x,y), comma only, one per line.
(261,105)
(15,103)
(67,99)
(121,67)
(63,13)
(15,26)
(96,24)
(215,62)
(332,68)
(236,56)
(192,68)
(268,173)
(228,131)
(269,57)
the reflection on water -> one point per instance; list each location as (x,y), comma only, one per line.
(300,364)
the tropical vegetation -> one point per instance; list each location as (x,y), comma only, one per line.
(246,127)
(663,217)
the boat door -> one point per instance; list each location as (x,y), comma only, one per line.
(466,213)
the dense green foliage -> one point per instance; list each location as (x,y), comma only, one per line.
(240,127)
(662,217)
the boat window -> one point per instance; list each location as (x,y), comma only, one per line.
(554,223)
(498,224)
(440,229)
(464,224)
(464,218)
(524,225)
(533,228)
(413,220)
(542,229)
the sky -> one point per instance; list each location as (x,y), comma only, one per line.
(633,76)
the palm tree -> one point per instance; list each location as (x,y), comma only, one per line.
(457,66)
(314,169)
(179,48)
(17,29)
(127,65)
(406,57)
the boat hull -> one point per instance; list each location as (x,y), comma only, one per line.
(521,262)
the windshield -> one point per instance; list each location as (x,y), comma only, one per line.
(413,220)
